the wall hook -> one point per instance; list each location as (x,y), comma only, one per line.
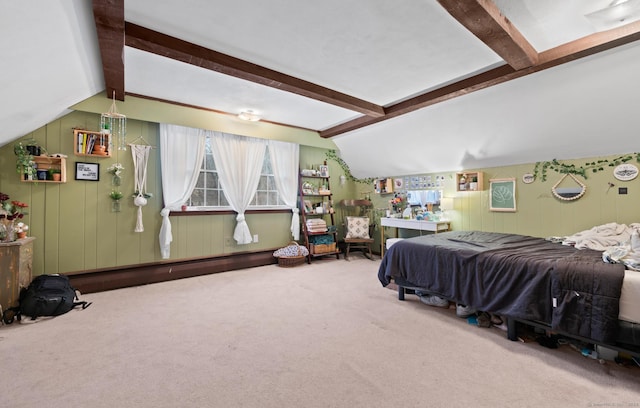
(610,185)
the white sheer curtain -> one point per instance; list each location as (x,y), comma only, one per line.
(285,162)
(239,162)
(181,154)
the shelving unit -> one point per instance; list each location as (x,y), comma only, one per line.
(464,181)
(310,200)
(47,163)
(90,143)
(384,186)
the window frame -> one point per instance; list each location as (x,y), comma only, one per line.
(251,209)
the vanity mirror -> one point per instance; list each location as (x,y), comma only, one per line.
(423,197)
(569,192)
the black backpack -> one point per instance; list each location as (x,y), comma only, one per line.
(47,295)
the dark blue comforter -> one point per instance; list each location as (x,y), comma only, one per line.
(517,276)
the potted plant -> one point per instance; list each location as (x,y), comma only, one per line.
(21,230)
(24,162)
(54,174)
(26,151)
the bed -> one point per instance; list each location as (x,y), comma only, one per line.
(525,280)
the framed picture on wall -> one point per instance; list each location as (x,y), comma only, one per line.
(502,195)
(87,171)
(324,171)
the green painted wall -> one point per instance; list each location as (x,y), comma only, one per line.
(76,230)
(539,213)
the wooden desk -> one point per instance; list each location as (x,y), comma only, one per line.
(420,225)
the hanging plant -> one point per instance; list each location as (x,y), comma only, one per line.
(116,196)
(541,168)
(331,154)
(145,195)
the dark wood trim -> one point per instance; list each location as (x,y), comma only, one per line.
(99,280)
(466,86)
(186,105)
(170,47)
(109,20)
(484,20)
(591,45)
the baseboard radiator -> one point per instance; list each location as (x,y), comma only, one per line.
(99,280)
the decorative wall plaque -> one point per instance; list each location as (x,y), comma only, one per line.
(625,172)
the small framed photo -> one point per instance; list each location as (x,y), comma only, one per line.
(87,171)
(502,195)
(324,171)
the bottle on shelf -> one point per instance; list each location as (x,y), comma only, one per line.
(462,182)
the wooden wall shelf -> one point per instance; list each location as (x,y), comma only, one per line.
(464,181)
(91,144)
(47,163)
(384,186)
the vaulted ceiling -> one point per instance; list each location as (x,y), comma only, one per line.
(403,87)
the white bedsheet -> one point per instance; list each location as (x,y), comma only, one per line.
(630,297)
(601,237)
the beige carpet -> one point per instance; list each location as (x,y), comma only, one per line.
(319,335)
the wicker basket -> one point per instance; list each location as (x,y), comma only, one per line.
(290,261)
(323,248)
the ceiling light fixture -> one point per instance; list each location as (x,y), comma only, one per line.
(618,13)
(249,115)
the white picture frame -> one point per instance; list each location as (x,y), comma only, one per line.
(502,195)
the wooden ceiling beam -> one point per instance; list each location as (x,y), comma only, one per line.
(463,87)
(592,44)
(170,47)
(109,20)
(580,48)
(114,33)
(485,21)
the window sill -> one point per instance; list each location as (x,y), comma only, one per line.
(225,212)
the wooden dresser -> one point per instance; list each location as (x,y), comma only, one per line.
(16,260)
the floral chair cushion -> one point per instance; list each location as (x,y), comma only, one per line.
(358,227)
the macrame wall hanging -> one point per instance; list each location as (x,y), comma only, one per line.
(140,155)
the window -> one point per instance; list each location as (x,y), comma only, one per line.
(208,194)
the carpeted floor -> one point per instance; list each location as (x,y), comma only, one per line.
(320,335)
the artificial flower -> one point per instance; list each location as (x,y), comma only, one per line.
(116,169)
(21,227)
(12,209)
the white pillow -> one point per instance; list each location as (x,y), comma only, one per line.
(358,227)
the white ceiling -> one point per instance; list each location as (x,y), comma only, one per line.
(379,51)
